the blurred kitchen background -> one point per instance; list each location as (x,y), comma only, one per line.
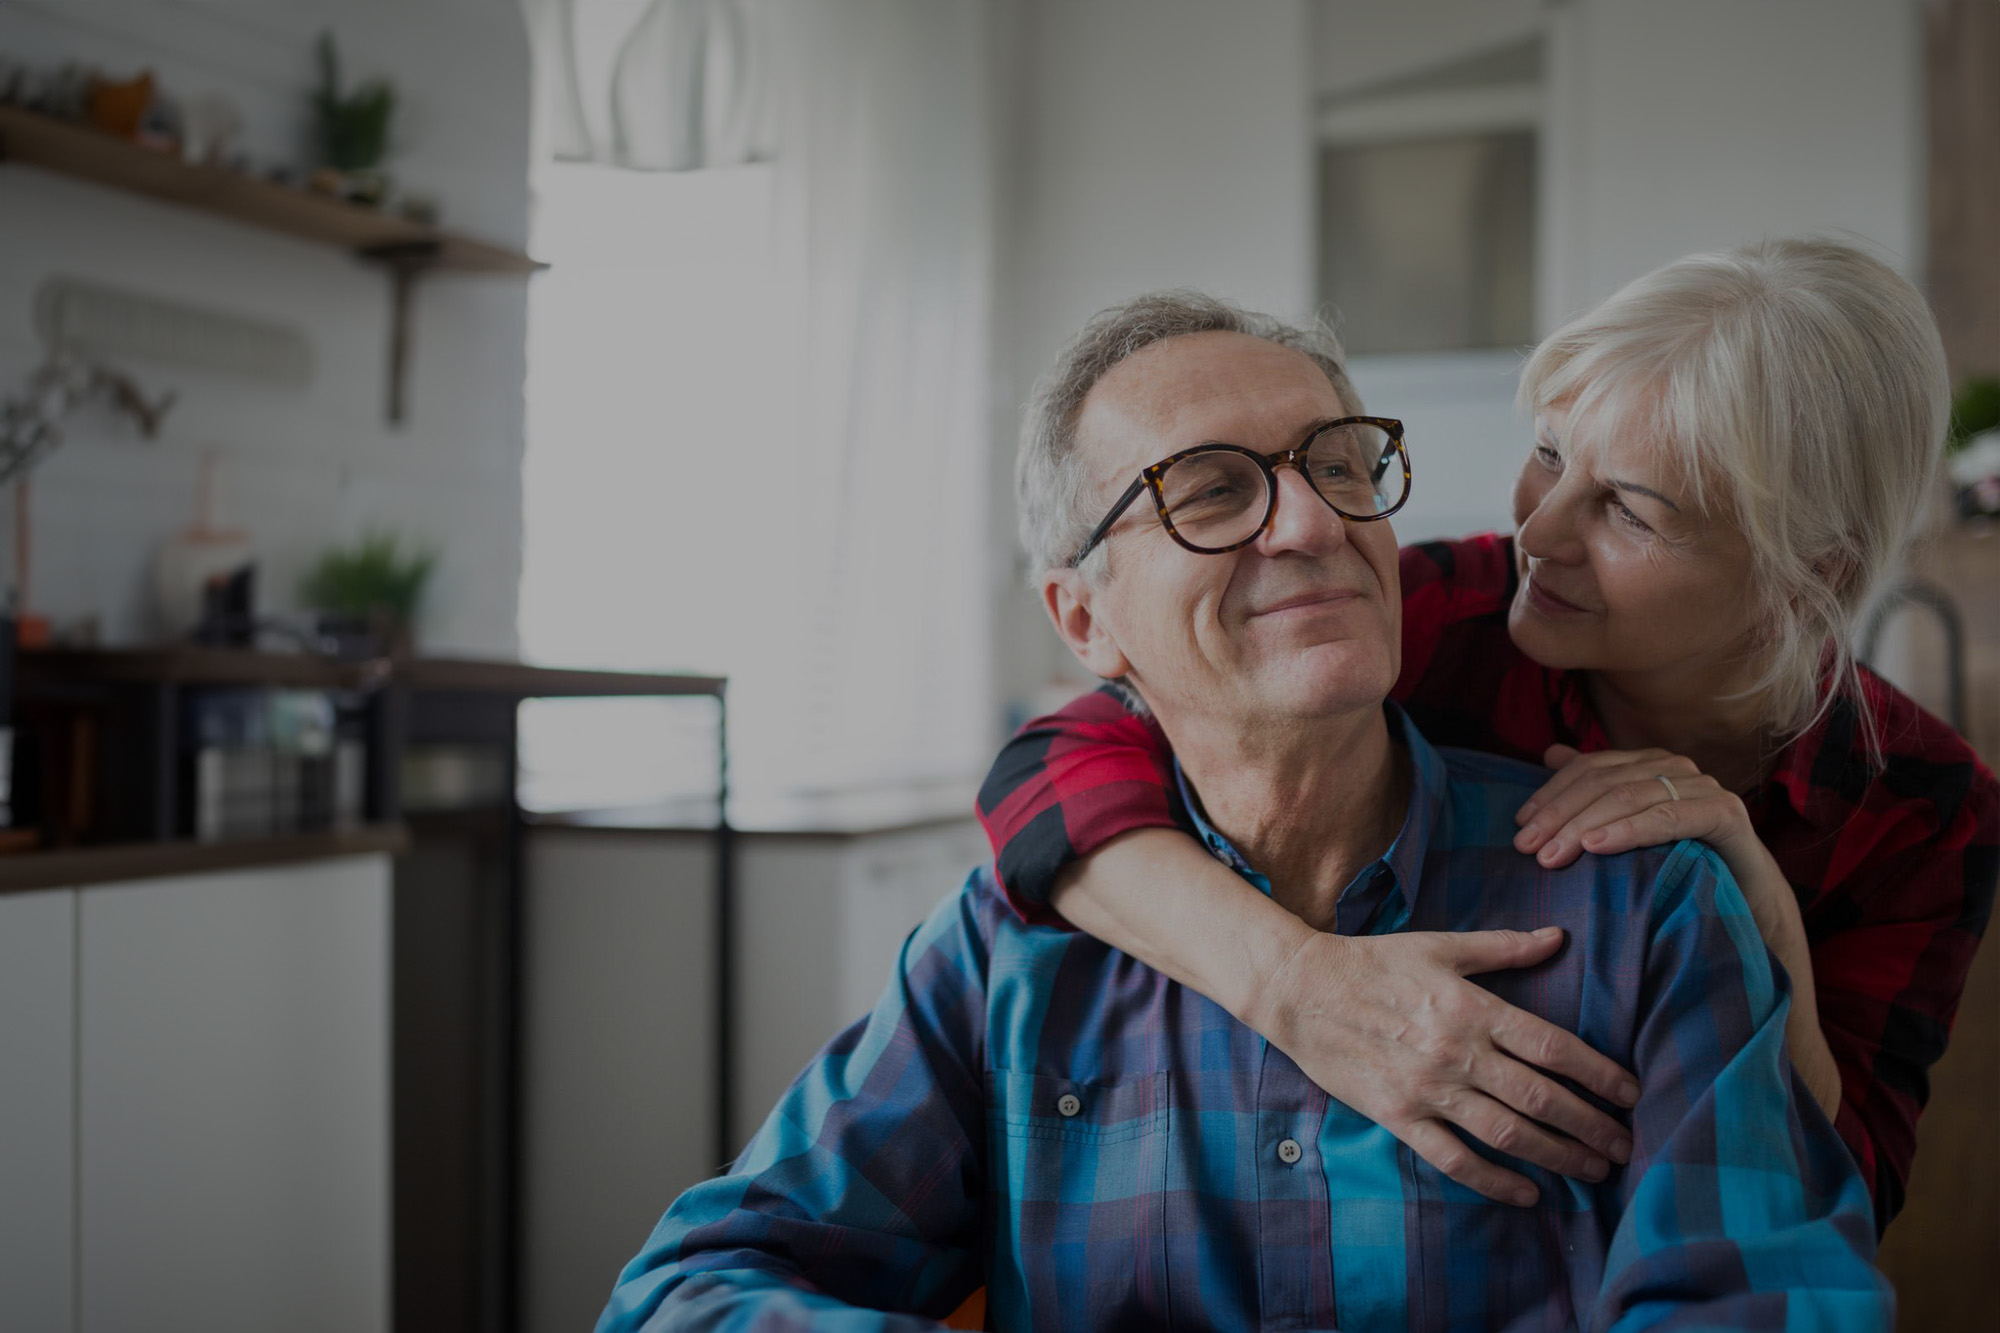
(450,444)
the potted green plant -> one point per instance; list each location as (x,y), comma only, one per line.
(353,128)
(373,589)
(1973,447)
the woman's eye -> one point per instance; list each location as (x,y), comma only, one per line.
(1548,456)
(1625,515)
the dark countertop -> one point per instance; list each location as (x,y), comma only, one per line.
(179,664)
(861,812)
(75,867)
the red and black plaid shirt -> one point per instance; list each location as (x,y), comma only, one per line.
(1894,867)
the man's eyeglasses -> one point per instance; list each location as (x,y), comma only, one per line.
(1215,498)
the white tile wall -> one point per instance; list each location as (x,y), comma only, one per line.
(302,468)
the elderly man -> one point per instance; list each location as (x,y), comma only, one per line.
(1030,1111)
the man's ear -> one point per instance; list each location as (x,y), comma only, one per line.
(1068,599)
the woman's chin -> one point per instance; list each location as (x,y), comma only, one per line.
(1558,646)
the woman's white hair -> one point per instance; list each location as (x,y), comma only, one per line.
(1050,480)
(1802,385)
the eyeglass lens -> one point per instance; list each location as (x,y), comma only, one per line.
(1217,498)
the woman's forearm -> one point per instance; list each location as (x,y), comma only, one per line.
(1389,1025)
(1155,894)
(1810,1052)
(1776,912)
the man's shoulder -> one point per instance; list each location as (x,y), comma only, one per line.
(981,919)
(1477,768)
(1483,792)
(964,925)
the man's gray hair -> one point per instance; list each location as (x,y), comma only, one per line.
(1051,483)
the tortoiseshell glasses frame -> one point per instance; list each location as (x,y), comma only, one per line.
(1149,480)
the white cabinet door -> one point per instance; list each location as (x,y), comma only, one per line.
(620,1016)
(820,925)
(37,1112)
(234,1101)
(619,1052)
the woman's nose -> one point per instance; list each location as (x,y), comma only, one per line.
(1302,520)
(1549,531)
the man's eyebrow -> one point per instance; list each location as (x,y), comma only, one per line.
(1318,424)
(1643,490)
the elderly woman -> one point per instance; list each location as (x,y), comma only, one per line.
(1729,455)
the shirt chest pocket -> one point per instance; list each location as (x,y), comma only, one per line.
(1077,1183)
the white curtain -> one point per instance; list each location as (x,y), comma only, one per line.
(770,465)
(886,181)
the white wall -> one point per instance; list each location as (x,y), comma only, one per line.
(1666,129)
(1158,143)
(1709,123)
(302,468)
(1359,43)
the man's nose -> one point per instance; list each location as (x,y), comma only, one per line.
(1302,520)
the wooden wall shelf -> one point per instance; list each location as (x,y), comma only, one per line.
(88,154)
(406,249)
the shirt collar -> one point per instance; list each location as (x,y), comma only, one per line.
(1823,772)
(1361,905)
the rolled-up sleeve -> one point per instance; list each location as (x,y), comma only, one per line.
(1064,786)
(861,1194)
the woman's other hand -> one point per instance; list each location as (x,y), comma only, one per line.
(1390,1026)
(1613,801)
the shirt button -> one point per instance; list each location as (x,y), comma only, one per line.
(1289,1151)
(1068,1105)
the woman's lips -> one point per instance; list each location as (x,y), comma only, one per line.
(1545,601)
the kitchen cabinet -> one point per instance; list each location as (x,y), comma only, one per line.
(446,729)
(619,1016)
(618,1036)
(37,1111)
(196,1107)
(233,1100)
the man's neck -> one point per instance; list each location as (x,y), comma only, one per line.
(1309,805)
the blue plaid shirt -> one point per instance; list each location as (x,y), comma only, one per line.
(1032,1111)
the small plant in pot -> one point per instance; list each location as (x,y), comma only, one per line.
(1973,447)
(353,130)
(368,594)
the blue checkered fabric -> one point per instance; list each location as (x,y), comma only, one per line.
(1030,1110)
